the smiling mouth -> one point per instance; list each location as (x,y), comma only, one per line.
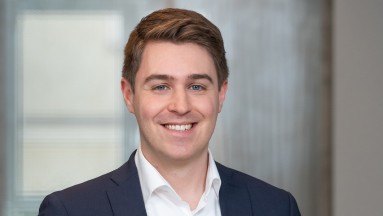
(176,127)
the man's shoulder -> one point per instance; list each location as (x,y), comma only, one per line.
(255,186)
(242,192)
(77,198)
(89,196)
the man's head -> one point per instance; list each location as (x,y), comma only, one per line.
(175,82)
(176,26)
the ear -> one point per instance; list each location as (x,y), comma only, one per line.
(128,94)
(222,94)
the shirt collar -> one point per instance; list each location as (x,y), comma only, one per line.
(213,180)
(151,179)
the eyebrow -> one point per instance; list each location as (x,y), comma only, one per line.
(200,76)
(167,77)
(158,77)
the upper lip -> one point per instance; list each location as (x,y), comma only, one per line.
(181,123)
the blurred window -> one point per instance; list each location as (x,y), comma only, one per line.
(69,126)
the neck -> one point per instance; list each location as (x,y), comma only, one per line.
(188,179)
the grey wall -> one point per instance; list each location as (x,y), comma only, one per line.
(358,111)
(2,106)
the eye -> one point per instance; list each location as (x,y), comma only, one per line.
(160,88)
(197,87)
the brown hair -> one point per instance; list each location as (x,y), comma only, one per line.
(177,26)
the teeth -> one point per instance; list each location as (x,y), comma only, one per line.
(179,127)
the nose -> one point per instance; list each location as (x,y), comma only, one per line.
(180,102)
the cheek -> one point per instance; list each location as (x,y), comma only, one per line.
(144,113)
(148,108)
(209,107)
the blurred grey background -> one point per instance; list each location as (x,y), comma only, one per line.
(304,109)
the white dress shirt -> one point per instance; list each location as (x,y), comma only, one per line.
(161,199)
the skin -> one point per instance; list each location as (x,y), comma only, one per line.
(176,103)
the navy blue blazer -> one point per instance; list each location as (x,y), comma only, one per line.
(118,193)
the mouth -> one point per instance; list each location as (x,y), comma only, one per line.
(179,127)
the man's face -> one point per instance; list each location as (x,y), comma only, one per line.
(176,101)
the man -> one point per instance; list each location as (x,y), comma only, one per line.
(174,82)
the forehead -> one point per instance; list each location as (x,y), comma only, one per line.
(175,59)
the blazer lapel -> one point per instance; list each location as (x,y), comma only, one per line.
(233,196)
(126,197)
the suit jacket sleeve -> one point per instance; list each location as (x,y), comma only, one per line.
(294,210)
(117,193)
(241,194)
(52,206)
